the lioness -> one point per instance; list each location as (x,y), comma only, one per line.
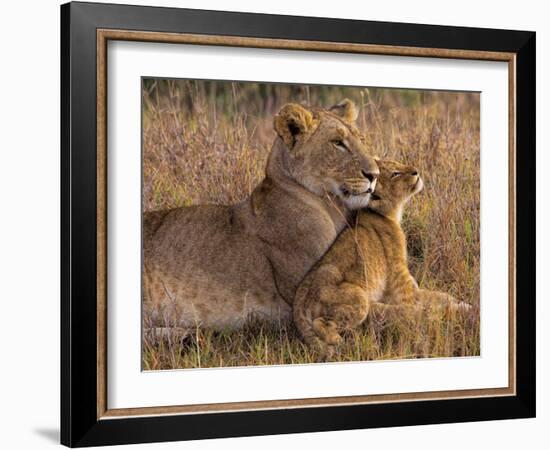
(216,265)
(366,264)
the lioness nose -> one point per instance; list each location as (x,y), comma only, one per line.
(371,176)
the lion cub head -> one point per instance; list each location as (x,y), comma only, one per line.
(397,183)
(325,153)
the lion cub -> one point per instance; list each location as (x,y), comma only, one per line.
(366,264)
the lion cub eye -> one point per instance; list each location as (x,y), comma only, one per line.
(340,145)
(395,175)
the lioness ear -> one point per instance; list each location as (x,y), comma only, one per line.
(291,121)
(346,109)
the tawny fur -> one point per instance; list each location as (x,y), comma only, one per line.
(217,265)
(366,267)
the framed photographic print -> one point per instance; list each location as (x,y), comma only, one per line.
(276,224)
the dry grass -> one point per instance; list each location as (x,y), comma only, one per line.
(208,142)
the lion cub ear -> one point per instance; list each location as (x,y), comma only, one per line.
(346,109)
(292,121)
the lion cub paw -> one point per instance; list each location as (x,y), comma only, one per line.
(327,331)
(328,338)
(326,354)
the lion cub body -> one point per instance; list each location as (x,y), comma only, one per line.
(366,265)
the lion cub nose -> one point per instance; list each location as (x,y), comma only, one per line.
(371,176)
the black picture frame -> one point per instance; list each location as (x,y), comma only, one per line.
(80,425)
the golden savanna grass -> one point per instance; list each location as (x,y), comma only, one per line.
(208,142)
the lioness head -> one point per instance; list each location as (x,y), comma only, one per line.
(326,153)
(397,183)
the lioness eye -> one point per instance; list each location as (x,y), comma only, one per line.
(340,145)
(395,174)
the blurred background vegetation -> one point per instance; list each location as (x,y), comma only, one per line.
(208,142)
